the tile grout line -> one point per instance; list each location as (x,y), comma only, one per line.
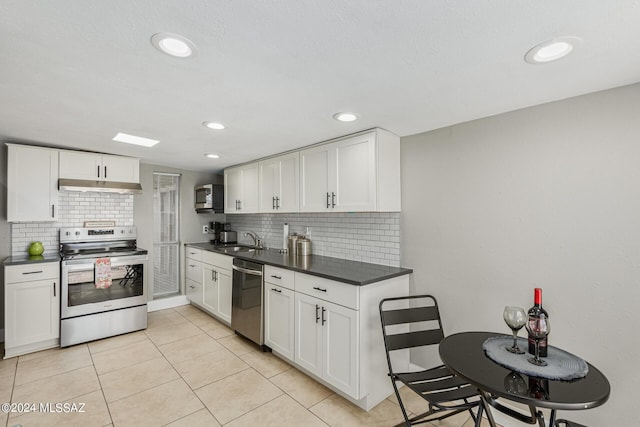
(100,383)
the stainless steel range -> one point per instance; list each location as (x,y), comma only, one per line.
(103,283)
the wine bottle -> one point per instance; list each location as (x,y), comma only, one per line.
(536,311)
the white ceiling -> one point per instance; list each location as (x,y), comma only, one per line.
(73,73)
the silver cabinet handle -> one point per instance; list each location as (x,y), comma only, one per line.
(105,172)
(98,171)
(317,316)
(273,203)
(319,289)
(246,270)
(277,202)
(54,289)
(328,200)
(276,290)
(333,199)
(323,319)
(191,265)
(53,211)
(32,272)
(276,277)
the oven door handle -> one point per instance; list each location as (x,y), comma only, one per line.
(247,271)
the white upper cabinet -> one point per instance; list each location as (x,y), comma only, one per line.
(98,167)
(279,184)
(241,189)
(360,173)
(32,184)
(314,179)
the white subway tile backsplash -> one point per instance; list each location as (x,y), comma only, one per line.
(74,210)
(369,237)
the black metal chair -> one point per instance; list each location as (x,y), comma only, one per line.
(566,423)
(411,322)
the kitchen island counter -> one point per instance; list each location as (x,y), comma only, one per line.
(352,272)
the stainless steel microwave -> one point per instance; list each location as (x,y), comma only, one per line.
(209,198)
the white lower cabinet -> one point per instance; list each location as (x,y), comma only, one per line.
(279,319)
(208,282)
(217,291)
(31,308)
(216,284)
(327,342)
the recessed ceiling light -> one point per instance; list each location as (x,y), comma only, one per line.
(174,45)
(345,117)
(213,125)
(212,156)
(137,140)
(552,50)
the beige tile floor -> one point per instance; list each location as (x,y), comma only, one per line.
(185,369)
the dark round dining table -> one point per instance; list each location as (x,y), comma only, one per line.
(463,354)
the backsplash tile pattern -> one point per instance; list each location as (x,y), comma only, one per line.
(74,210)
(369,237)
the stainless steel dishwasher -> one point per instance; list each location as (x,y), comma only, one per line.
(246,300)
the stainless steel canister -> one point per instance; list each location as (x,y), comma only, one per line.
(293,244)
(304,246)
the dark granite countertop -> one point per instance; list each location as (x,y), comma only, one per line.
(28,259)
(352,272)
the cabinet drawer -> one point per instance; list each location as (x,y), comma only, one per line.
(219,260)
(193,253)
(279,276)
(31,272)
(328,290)
(194,270)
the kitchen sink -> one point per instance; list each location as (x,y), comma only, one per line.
(234,248)
(239,249)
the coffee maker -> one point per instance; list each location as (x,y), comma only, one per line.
(216,228)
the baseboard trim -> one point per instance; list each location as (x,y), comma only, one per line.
(164,303)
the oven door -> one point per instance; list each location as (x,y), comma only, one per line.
(80,295)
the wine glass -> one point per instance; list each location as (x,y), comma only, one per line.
(538,328)
(515,318)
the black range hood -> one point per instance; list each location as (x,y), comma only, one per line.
(99,186)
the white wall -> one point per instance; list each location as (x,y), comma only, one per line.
(546,197)
(190,222)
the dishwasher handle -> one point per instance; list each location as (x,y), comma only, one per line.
(247,271)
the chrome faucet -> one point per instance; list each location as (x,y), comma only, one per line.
(257,241)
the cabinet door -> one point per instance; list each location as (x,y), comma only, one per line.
(79,165)
(308,333)
(340,347)
(32,184)
(289,183)
(210,289)
(355,174)
(194,291)
(32,312)
(120,169)
(314,175)
(232,188)
(269,183)
(278,319)
(224,295)
(250,193)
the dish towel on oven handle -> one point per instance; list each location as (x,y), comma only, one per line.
(103,273)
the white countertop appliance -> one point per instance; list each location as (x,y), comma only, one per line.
(103,283)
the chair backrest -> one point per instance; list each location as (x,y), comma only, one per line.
(409,322)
